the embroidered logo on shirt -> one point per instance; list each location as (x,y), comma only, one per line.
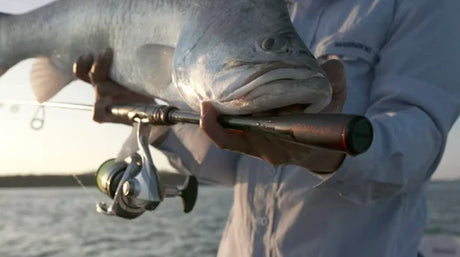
(361,46)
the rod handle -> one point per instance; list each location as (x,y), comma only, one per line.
(351,134)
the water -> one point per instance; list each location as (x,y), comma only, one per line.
(443,208)
(63,222)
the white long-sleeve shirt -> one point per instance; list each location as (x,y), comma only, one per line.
(401,58)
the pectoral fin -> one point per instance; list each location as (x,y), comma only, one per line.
(155,62)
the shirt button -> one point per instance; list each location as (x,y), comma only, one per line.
(263,221)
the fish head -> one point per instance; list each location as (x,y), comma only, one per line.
(246,57)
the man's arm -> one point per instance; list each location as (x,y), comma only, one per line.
(415,99)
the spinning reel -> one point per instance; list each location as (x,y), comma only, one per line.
(135,185)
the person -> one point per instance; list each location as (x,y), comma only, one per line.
(399,69)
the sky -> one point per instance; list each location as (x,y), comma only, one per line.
(70,142)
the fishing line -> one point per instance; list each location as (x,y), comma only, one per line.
(74,175)
(93,198)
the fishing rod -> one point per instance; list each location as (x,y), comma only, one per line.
(351,134)
(134,184)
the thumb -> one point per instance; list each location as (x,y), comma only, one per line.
(335,73)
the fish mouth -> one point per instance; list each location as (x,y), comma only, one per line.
(279,87)
(274,71)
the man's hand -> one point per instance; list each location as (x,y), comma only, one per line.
(95,71)
(277,151)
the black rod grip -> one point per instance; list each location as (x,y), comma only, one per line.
(347,133)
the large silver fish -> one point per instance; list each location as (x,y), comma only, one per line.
(242,55)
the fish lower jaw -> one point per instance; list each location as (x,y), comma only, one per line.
(281,76)
(313,94)
(256,109)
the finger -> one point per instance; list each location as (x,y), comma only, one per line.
(82,67)
(268,149)
(101,67)
(100,109)
(296,152)
(102,114)
(220,136)
(335,73)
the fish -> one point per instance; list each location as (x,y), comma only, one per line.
(243,56)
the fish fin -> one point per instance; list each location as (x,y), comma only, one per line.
(194,139)
(46,79)
(156,63)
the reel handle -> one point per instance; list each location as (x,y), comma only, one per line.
(188,193)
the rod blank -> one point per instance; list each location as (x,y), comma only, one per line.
(58,105)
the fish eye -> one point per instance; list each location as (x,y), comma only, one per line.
(272,44)
(267,44)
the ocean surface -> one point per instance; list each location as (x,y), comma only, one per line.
(64,222)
